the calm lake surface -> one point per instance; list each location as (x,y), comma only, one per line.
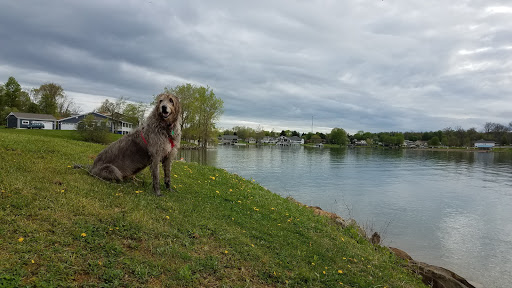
(450,209)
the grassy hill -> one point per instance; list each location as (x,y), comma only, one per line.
(62,227)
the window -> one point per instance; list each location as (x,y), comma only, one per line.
(25,122)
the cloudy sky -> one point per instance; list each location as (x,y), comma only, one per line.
(372,65)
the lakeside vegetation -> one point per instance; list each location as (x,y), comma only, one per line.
(63,227)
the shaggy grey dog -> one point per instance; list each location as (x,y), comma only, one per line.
(158,140)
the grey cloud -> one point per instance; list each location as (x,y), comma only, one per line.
(377,66)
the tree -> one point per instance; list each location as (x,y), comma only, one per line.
(52,100)
(186,93)
(434,141)
(12,90)
(209,108)
(113,110)
(134,113)
(25,101)
(339,136)
(2,90)
(315,138)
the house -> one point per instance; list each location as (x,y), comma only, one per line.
(361,143)
(296,140)
(71,123)
(250,140)
(228,139)
(283,141)
(485,145)
(268,140)
(23,120)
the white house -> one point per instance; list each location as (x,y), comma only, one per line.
(483,144)
(268,140)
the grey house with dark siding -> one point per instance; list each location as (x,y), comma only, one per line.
(23,120)
(71,123)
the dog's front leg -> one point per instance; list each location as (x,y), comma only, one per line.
(155,173)
(167,171)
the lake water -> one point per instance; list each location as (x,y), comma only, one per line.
(450,209)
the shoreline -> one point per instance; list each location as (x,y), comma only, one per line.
(434,276)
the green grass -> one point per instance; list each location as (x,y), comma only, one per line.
(61,227)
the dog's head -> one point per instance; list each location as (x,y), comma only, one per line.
(168,107)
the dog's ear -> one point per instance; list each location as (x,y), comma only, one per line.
(177,104)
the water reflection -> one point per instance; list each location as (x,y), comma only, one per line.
(450,209)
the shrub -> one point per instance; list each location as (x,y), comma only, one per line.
(92,130)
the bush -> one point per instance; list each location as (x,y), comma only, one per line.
(91,130)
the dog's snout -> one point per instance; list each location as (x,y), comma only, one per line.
(165,109)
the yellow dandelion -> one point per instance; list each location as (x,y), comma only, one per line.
(323,272)
(167,217)
(217,192)
(213,178)
(62,191)
(20,239)
(226,252)
(33,261)
(230,190)
(175,175)
(83,234)
(252,245)
(340,271)
(313,264)
(69,166)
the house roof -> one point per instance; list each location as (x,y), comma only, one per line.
(485,141)
(295,138)
(85,114)
(96,113)
(32,116)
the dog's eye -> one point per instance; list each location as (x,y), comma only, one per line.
(170,100)
(161,101)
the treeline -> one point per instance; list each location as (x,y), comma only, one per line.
(49,98)
(452,137)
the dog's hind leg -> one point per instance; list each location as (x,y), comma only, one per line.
(107,172)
